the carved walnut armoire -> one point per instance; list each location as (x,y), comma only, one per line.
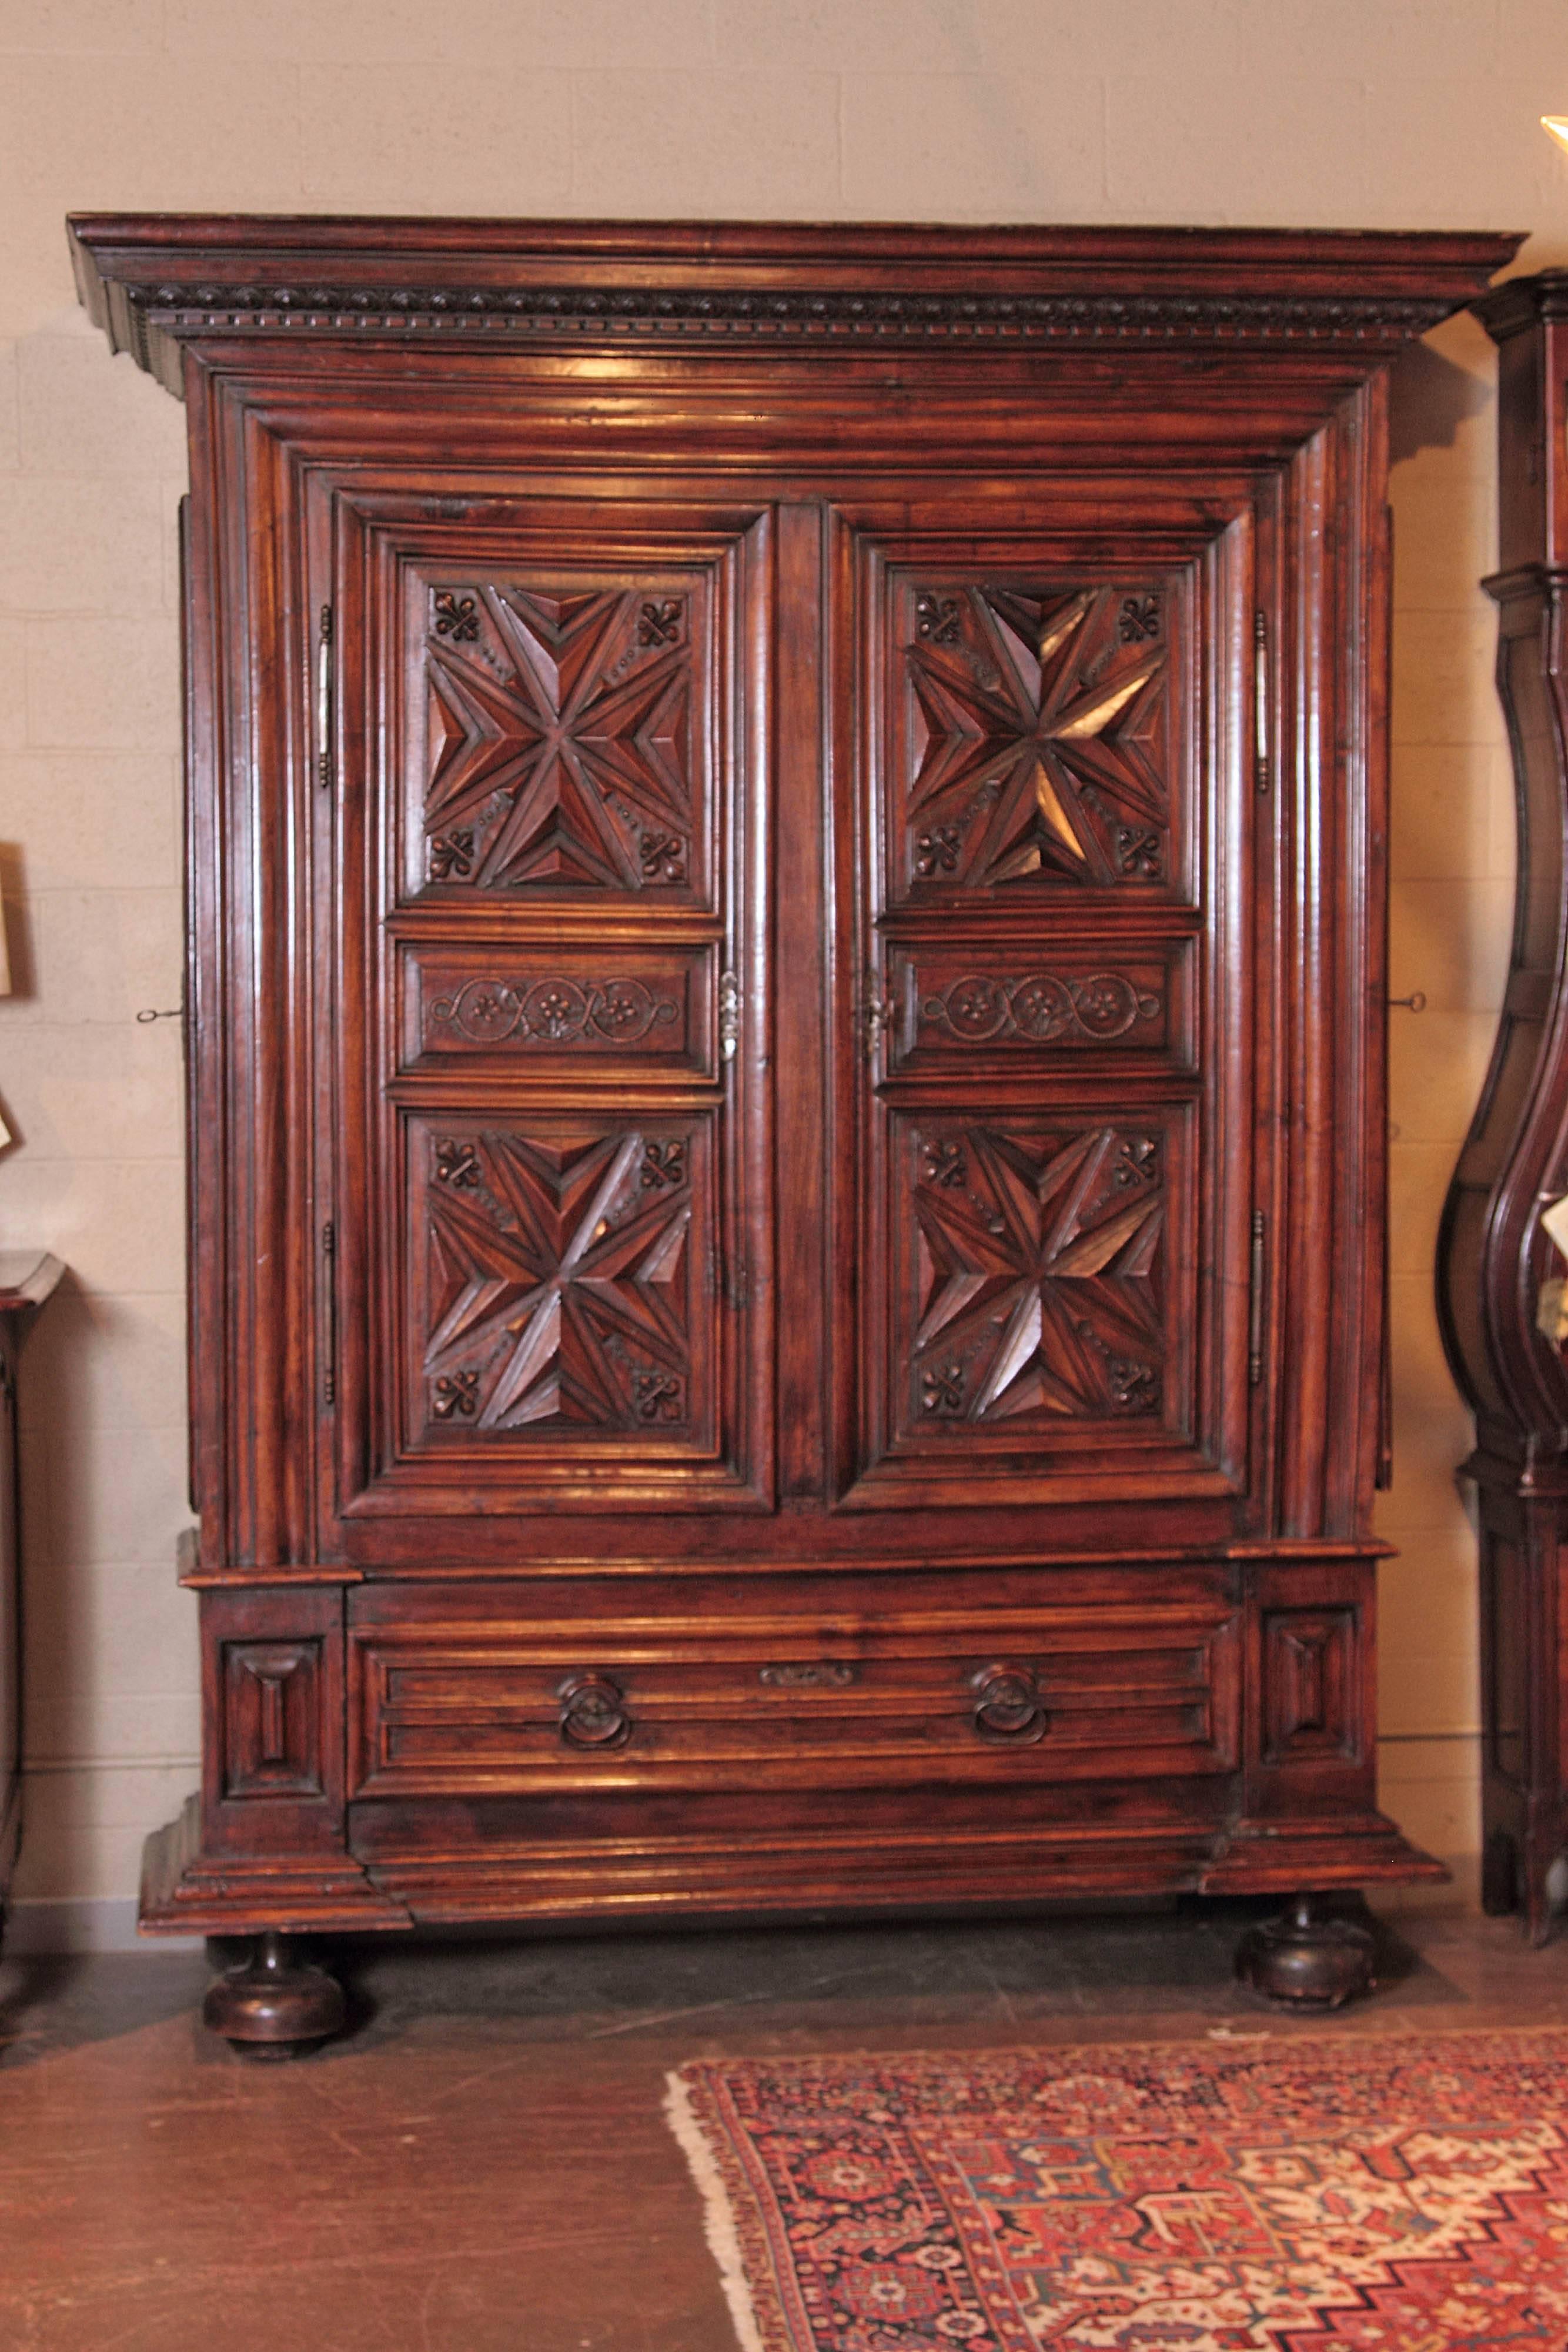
(786,1017)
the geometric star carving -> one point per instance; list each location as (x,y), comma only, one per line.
(1039,1274)
(1040,734)
(568,762)
(559,1286)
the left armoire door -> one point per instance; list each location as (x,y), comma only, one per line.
(547,1163)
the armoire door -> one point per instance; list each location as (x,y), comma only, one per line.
(564,1043)
(1052,1080)
(550,1164)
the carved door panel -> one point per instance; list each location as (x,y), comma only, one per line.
(552,1157)
(1052,1092)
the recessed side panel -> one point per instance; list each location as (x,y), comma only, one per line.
(272,1715)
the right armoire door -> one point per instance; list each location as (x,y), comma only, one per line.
(1049,901)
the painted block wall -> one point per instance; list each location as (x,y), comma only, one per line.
(1396,113)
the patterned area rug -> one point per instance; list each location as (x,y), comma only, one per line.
(1398,2194)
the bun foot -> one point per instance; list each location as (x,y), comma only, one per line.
(277,2004)
(1308,1958)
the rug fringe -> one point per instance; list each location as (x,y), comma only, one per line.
(719,2215)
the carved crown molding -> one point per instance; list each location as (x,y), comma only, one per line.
(580,310)
(156,282)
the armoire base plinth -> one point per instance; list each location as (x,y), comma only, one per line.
(1313,1956)
(1309,1957)
(1279,1857)
(187,1893)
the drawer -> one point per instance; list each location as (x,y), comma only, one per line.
(514,1710)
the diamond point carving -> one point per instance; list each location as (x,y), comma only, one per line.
(1041,1274)
(559,752)
(1039,746)
(560,1295)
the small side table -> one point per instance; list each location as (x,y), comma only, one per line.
(28,1278)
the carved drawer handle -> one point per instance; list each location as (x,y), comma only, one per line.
(1007,1705)
(592,1713)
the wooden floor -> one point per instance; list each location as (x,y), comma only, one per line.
(482,2165)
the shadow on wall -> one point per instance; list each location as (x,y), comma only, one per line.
(109,1645)
(58,1635)
(17,960)
(1429,400)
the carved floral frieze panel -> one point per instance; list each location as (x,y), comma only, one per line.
(554,1288)
(1035,1272)
(554,1011)
(1049,1007)
(952,1008)
(564,736)
(1034,733)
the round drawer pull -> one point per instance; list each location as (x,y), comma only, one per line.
(1007,1705)
(592,1713)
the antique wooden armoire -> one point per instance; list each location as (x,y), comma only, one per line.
(786,1018)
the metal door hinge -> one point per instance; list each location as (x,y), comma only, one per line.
(324,699)
(1260,1277)
(329,1286)
(876,1013)
(729,1015)
(1262,760)
(729,1279)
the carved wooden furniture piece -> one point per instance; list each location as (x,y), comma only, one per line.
(28,1279)
(787,887)
(1493,1255)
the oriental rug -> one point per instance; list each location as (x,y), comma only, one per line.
(1369,2193)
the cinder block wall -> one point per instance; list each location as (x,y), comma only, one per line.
(1400,113)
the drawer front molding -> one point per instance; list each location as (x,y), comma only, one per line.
(442,1710)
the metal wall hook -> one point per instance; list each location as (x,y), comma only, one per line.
(175,1013)
(1415,1003)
